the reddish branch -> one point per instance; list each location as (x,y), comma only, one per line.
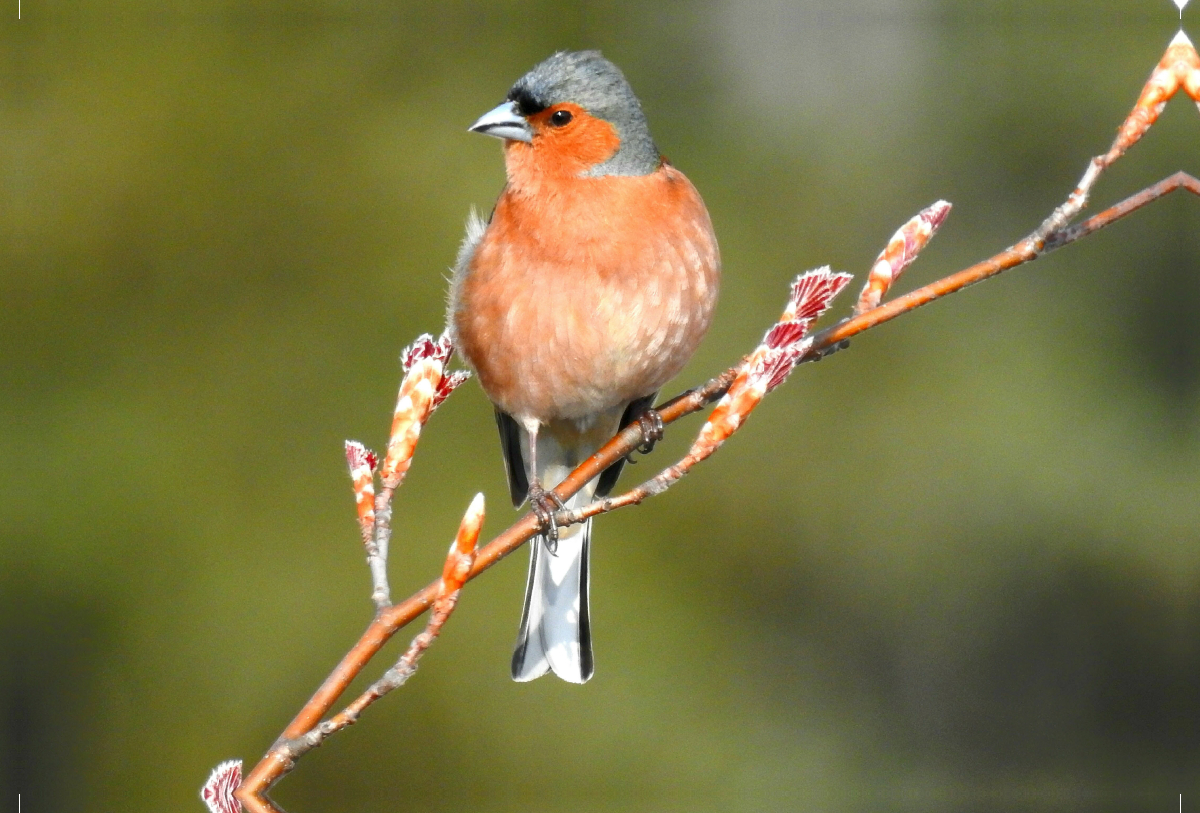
(738,390)
(455,573)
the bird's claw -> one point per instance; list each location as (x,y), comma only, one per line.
(651,424)
(544,503)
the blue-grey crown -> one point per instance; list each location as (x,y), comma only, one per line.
(589,80)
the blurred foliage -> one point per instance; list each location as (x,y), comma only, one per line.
(952,568)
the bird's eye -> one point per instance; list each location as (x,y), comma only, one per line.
(561,118)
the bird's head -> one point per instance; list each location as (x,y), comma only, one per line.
(573,115)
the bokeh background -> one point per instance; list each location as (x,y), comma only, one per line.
(953,568)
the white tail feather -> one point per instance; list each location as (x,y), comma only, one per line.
(555,628)
(555,633)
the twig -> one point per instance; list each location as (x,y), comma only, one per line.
(1180,180)
(425,385)
(458,565)
(740,388)
(1021,253)
(1178,68)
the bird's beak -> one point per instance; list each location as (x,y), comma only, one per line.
(504,122)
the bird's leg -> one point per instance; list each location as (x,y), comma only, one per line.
(544,503)
(651,424)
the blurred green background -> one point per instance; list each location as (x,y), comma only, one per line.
(953,568)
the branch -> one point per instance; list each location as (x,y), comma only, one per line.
(426,384)
(458,565)
(738,389)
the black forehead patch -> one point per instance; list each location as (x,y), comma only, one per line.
(527,103)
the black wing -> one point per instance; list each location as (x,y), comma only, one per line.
(514,465)
(608,478)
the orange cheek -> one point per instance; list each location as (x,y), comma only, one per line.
(573,149)
(592,141)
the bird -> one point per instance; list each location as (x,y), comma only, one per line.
(589,287)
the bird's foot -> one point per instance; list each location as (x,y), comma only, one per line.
(544,503)
(651,424)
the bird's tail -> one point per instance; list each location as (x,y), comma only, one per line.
(556,630)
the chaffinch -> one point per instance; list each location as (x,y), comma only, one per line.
(587,289)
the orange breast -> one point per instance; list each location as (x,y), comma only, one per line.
(585,293)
